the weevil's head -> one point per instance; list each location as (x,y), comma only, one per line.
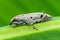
(45,16)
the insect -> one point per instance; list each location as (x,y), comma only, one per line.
(30,19)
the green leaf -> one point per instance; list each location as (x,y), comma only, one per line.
(49,30)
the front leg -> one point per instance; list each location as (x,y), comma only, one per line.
(34,27)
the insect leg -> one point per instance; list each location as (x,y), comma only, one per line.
(34,27)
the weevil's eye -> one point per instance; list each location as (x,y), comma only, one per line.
(41,16)
(31,17)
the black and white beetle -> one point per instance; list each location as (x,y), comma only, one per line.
(30,19)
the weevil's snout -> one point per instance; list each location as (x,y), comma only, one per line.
(49,16)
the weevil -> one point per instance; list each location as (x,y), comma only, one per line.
(30,19)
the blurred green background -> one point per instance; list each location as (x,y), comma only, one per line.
(10,8)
